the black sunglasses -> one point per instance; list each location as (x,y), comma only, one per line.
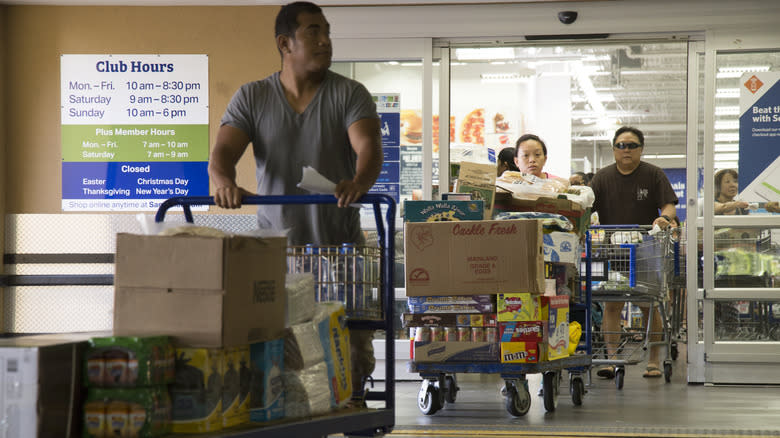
(624,145)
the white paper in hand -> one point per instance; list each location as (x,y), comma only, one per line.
(314,182)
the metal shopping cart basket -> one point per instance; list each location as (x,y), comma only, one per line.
(360,277)
(629,264)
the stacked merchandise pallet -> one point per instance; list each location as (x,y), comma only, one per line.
(487,306)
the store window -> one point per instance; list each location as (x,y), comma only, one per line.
(574,97)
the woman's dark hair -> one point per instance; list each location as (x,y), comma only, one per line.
(632,130)
(287,18)
(526,137)
(507,156)
(719,175)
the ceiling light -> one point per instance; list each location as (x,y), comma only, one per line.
(502,78)
(727,157)
(726,147)
(744,69)
(727,93)
(665,156)
(726,110)
(485,53)
(726,165)
(726,125)
(727,137)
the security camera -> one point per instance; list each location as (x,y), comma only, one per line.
(567,17)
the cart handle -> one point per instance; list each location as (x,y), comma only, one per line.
(620,227)
(385,229)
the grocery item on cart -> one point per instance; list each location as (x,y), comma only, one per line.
(300,298)
(305,393)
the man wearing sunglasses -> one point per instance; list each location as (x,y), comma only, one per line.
(631,191)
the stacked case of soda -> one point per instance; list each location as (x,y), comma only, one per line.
(127,379)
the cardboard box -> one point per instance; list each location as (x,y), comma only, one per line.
(523,331)
(560,247)
(473,257)
(443,211)
(205,291)
(555,310)
(520,352)
(266,391)
(519,307)
(574,212)
(197,392)
(449,320)
(478,180)
(450,352)
(452,308)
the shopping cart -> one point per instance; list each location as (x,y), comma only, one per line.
(628,264)
(361,278)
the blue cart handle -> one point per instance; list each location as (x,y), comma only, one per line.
(385,229)
(186,201)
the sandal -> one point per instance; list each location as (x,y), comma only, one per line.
(652,371)
(606,371)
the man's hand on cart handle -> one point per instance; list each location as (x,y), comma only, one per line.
(662,222)
(349,191)
(230,196)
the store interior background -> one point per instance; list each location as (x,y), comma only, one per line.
(640,76)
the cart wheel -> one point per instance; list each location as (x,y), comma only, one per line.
(428,399)
(667,372)
(450,389)
(577,389)
(674,353)
(620,374)
(550,381)
(518,400)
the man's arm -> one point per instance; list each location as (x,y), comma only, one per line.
(366,141)
(230,145)
(667,210)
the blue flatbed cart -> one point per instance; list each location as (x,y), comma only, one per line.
(353,421)
(439,385)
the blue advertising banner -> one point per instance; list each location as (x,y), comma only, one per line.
(677,179)
(759,137)
(388,105)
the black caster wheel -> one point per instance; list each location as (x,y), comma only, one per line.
(451,389)
(518,399)
(428,399)
(620,375)
(667,372)
(577,390)
(550,381)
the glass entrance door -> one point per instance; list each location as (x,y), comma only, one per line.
(741,299)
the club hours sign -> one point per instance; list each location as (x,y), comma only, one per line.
(134,130)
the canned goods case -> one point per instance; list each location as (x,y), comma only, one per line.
(359,277)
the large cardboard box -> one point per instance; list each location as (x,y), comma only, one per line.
(206,292)
(473,257)
(455,352)
(443,211)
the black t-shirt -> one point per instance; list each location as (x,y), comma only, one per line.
(633,199)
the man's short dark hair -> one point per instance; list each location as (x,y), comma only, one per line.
(632,130)
(287,18)
(526,137)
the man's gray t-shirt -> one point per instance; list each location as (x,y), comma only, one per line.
(284,142)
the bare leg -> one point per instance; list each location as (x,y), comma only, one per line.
(656,329)
(610,325)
